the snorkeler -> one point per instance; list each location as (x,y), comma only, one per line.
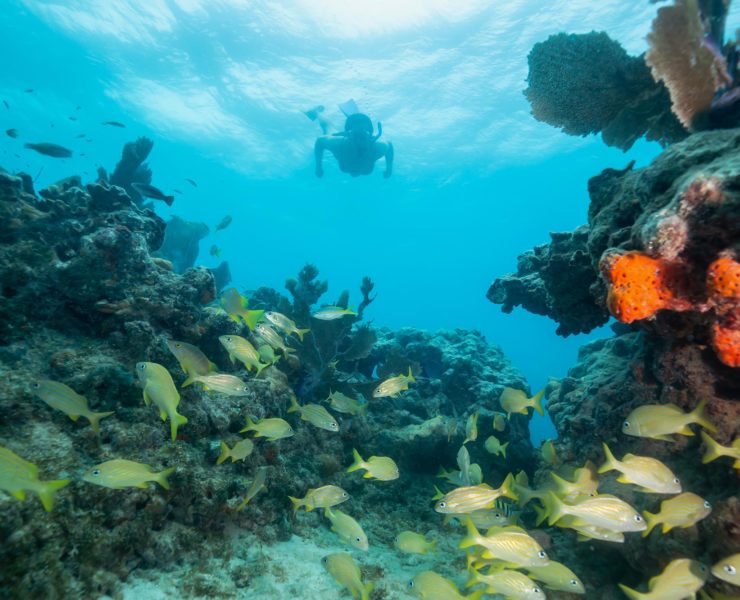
(356,148)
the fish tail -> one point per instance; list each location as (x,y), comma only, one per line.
(611,462)
(477,594)
(187,382)
(47,489)
(651,521)
(630,593)
(250,426)
(473,535)
(94,419)
(297,503)
(225,453)
(541,514)
(507,488)
(699,418)
(294,406)
(362,409)
(475,577)
(366,589)
(537,402)
(162,476)
(433,546)
(410,377)
(438,493)
(252,317)
(358,464)
(713,451)
(503,449)
(554,508)
(169,200)
(301,333)
(175,421)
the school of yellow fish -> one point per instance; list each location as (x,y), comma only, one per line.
(502,557)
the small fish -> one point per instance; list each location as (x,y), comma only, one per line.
(224,223)
(273,338)
(240,451)
(714,450)
(511,544)
(516,401)
(499,422)
(18,476)
(585,483)
(113,123)
(495,447)
(604,511)
(377,467)
(549,454)
(285,324)
(62,397)
(394,385)
(471,428)
(330,313)
(267,354)
(52,150)
(342,567)
(191,182)
(72,118)
(192,360)
(728,569)
(149,191)
(257,485)
(348,530)
(223,383)
(510,584)
(160,389)
(273,429)
(235,306)
(475,497)
(682,511)
(344,404)
(485,518)
(428,585)
(651,475)
(177,191)
(29,91)
(79,137)
(5,102)
(414,543)
(215,251)
(681,578)
(323,497)
(660,421)
(315,414)
(557,576)
(11,133)
(242,350)
(120,473)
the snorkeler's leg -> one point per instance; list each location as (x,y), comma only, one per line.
(332,144)
(388,153)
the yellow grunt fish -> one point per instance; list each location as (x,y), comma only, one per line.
(728,569)
(191,360)
(557,576)
(511,544)
(714,450)
(267,354)
(499,422)
(378,467)
(495,447)
(62,397)
(651,475)
(331,313)
(242,350)
(257,485)
(342,567)
(682,511)
(516,401)
(585,483)
(120,473)
(223,384)
(394,385)
(160,389)
(428,585)
(272,429)
(474,497)
(604,511)
(315,414)
(660,421)
(285,324)
(235,306)
(344,404)
(681,578)
(471,428)
(273,338)
(348,530)
(18,476)
(510,584)
(414,543)
(323,497)
(549,454)
(240,451)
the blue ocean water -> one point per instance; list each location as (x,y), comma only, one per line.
(220,86)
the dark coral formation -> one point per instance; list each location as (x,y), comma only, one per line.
(181,244)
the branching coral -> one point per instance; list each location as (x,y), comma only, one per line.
(132,167)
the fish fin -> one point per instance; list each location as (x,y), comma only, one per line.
(630,593)
(147,399)
(259,367)
(232,359)
(94,419)
(47,490)
(477,594)
(175,422)
(611,462)
(20,494)
(473,535)
(686,430)
(74,417)
(433,546)
(700,418)
(368,475)
(366,589)
(168,199)
(162,414)
(664,437)
(187,382)
(410,377)
(161,477)
(358,464)
(212,367)
(651,521)
(541,514)
(438,494)
(294,406)
(503,448)
(667,527)
(713,451)
(554,507)
(537,402)
(253,317)
(301,333)
(225,453)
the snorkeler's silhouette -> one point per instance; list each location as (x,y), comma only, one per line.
(356,148)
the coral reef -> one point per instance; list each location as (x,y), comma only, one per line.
(132,168)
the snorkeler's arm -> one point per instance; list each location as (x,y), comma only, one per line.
(388,160)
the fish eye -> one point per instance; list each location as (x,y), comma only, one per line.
(638,519)
(345,495)
(536,590)
(626,425)
(441,504)
(178,345)
(706,504)
(35,385)
(96,472)
(676,480)
(141,366)
(542,554)
(497,515)
(357,539)
(411,583)
(325,559)
(729,569)
(573,582)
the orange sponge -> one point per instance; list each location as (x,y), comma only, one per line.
(723,280)
(726,342)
